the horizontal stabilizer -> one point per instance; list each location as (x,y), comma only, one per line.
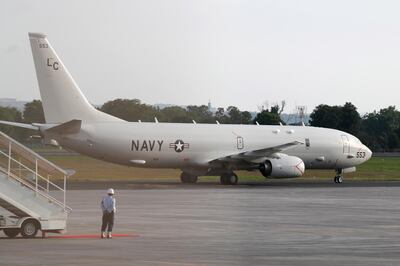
(70,127)
(15,124)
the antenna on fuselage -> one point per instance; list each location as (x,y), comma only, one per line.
(155,119)
(217,122)
(194,122)
(257,123)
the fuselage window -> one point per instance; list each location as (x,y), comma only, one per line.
(308,143)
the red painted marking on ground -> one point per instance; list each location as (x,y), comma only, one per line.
(86,236)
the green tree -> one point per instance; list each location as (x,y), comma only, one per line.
(325,116)
(269,117)
(220,115)
(33,112)
(350,119)
(344,118)
(13,115)
(381,130)
(246,117)
(130,110)
(174,114)
(235,116)
(200,114)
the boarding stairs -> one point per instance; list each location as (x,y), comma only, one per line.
(31,188)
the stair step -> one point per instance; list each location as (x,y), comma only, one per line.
(14,210)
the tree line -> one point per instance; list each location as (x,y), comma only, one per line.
(378,130)
(134,110)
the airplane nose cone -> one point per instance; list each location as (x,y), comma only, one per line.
(368,153)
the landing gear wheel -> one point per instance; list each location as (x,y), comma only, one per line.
(11,232)
(188,178)
(338,179)
(29,228)
(222,179)
(229,179)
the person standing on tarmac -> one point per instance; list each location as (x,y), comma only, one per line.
(108,208)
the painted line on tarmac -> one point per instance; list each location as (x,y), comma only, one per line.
(90,236)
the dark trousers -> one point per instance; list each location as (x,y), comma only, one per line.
(108,221)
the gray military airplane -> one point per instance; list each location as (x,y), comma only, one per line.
(197,149)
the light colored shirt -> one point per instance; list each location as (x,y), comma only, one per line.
(108,204)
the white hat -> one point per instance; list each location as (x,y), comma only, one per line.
(110,191)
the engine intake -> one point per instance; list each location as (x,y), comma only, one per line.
(283,166)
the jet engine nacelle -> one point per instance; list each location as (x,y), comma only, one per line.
(283,165)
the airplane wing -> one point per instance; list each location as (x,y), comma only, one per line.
(15,124)
(256,156)
(69,127)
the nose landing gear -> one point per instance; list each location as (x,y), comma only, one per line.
(338,179)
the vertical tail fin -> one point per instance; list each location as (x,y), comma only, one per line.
(62,99)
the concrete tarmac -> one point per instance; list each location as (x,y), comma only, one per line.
(217,225)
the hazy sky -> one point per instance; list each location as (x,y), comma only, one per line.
(240,53)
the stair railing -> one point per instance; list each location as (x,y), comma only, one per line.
(23,152)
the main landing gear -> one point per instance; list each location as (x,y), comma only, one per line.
(226,179)
(229,179)
(188,178)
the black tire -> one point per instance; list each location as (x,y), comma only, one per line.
(11,232)
(229,179)
(223,179)
(29,228)
(338,179)
(233,179)
(188,178)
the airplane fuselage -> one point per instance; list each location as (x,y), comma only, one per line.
(182,146)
